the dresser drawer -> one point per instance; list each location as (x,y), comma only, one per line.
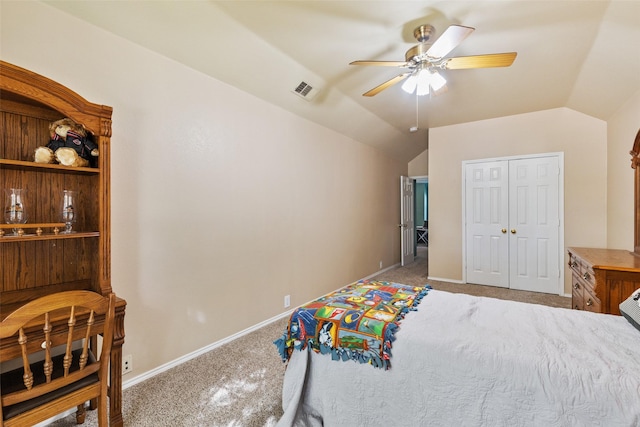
(591,303)
(577,301)
(577,293)
(575,264)
(588,277)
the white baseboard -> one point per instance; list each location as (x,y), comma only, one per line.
(440,279)
(462,282)
(182,359)
(381,271)
(149,374)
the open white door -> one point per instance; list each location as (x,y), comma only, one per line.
(407,230)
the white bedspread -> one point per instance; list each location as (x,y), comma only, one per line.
(467,361)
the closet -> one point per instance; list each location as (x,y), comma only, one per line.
(512,222)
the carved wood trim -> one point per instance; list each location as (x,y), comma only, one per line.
(635,152)
(635,164)
(32,86)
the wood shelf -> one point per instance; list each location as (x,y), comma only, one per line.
(29,225)
(10,238)
(45,166)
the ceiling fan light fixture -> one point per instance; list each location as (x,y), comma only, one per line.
(410,83)
(436,81)
(423,82)
(422,90)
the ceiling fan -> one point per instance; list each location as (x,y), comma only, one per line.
(424,60)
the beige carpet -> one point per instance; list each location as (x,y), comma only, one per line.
(239,383)
(416,274)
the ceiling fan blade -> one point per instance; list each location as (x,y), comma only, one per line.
(376,90)
(382,63)
(480,61)
(449,40)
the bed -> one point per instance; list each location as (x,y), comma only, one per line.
(461,360)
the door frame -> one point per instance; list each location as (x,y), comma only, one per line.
(421,179)
(561,255)
(407,221)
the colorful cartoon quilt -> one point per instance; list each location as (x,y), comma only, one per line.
(357,322)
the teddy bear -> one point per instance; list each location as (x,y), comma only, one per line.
(69,145)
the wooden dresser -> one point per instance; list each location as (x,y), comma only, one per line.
(602,278)
(41,260)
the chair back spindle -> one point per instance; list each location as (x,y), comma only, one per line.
(48,365)
(84,356)
(27,377)
(67,354)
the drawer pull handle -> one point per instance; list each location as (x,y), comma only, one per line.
(576,286)
(589,302)
(585,276)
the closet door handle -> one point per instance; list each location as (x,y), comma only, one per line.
(513,231)
(504,230)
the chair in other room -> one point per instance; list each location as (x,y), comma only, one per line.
(48,384)
(423,233)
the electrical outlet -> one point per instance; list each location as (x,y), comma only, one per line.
(287,301)
(127,364)
(380,264)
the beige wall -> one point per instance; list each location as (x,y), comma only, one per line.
(580,137)
(419,166)
(221,203)
(621,132)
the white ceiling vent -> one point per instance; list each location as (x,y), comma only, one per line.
(306,91)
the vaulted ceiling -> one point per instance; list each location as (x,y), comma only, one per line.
(583,55)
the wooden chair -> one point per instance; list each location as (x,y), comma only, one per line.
(42,389)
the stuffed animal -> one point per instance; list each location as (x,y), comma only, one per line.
(69,145)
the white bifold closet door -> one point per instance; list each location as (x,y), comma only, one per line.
(512,223)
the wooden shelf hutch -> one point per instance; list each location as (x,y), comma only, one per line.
(41,260)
